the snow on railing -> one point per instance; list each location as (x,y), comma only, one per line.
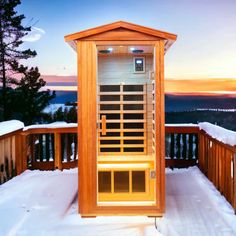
(217,158)
(52,146)
(223,135)
(9,135)
(59,124)
(10,126)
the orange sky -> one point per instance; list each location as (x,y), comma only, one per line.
(201,86)
(172,86)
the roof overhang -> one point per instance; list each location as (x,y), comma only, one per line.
(121,31)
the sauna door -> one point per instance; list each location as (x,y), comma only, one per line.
(125,160)
(125,134)
(122,110)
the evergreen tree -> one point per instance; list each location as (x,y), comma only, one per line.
(29,97)
(59,115)
(72,115)
(11,33)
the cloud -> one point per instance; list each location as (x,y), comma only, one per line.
(34,35)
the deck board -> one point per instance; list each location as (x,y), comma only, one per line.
(34,204)
(193,206)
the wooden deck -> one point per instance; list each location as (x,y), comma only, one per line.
(194,207)
(49,148)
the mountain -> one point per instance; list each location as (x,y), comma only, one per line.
(64,96)
(172,102)
(192,102)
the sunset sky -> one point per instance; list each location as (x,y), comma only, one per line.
(203,59)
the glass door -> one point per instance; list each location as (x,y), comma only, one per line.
(126,143)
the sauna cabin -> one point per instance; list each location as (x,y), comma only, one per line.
(121,119)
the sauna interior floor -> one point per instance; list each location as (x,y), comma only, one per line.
(41,203)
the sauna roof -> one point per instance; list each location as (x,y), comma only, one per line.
(121,31)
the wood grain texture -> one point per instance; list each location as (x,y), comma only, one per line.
(234,181)
(217,162)
(87,69)
(160,124)
(121,31)
(104,121)
(57,151)
(126,33)
(121,34)
(118,25)
(114,69)
(50,130)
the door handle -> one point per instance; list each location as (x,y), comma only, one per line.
(104,125)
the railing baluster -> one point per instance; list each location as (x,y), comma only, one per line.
(47,147)
(52,146)
(40,148)
(167,145)
(178,146)
(190,149)
(68,147)
(172,146)
(63,147)
(75,146)
(184,153)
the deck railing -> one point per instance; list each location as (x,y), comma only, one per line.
(56,148)
(181,145)
(51,148)
(9,151)
(188,145)
(218,162)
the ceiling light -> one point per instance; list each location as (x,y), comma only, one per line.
(106,51)
(137,51)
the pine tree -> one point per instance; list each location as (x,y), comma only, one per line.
(72,115)
(59,115)
(11,33)
(29,97)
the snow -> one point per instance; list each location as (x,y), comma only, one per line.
(10,126)
(32,202)
(223,135)
(58,124)
(181,125)
(52,108)
(39,203)
(216,109)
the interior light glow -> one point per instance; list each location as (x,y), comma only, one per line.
(132,49)
(110,49)
(127,166)
(139,62)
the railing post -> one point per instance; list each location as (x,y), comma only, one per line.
(57,151)
(234,182)
(200,146)
(21,153)
(197,143)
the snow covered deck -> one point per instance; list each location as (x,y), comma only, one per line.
(39,203)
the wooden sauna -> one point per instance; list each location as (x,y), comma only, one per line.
(121,121)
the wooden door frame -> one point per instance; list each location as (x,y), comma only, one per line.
(87,128)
